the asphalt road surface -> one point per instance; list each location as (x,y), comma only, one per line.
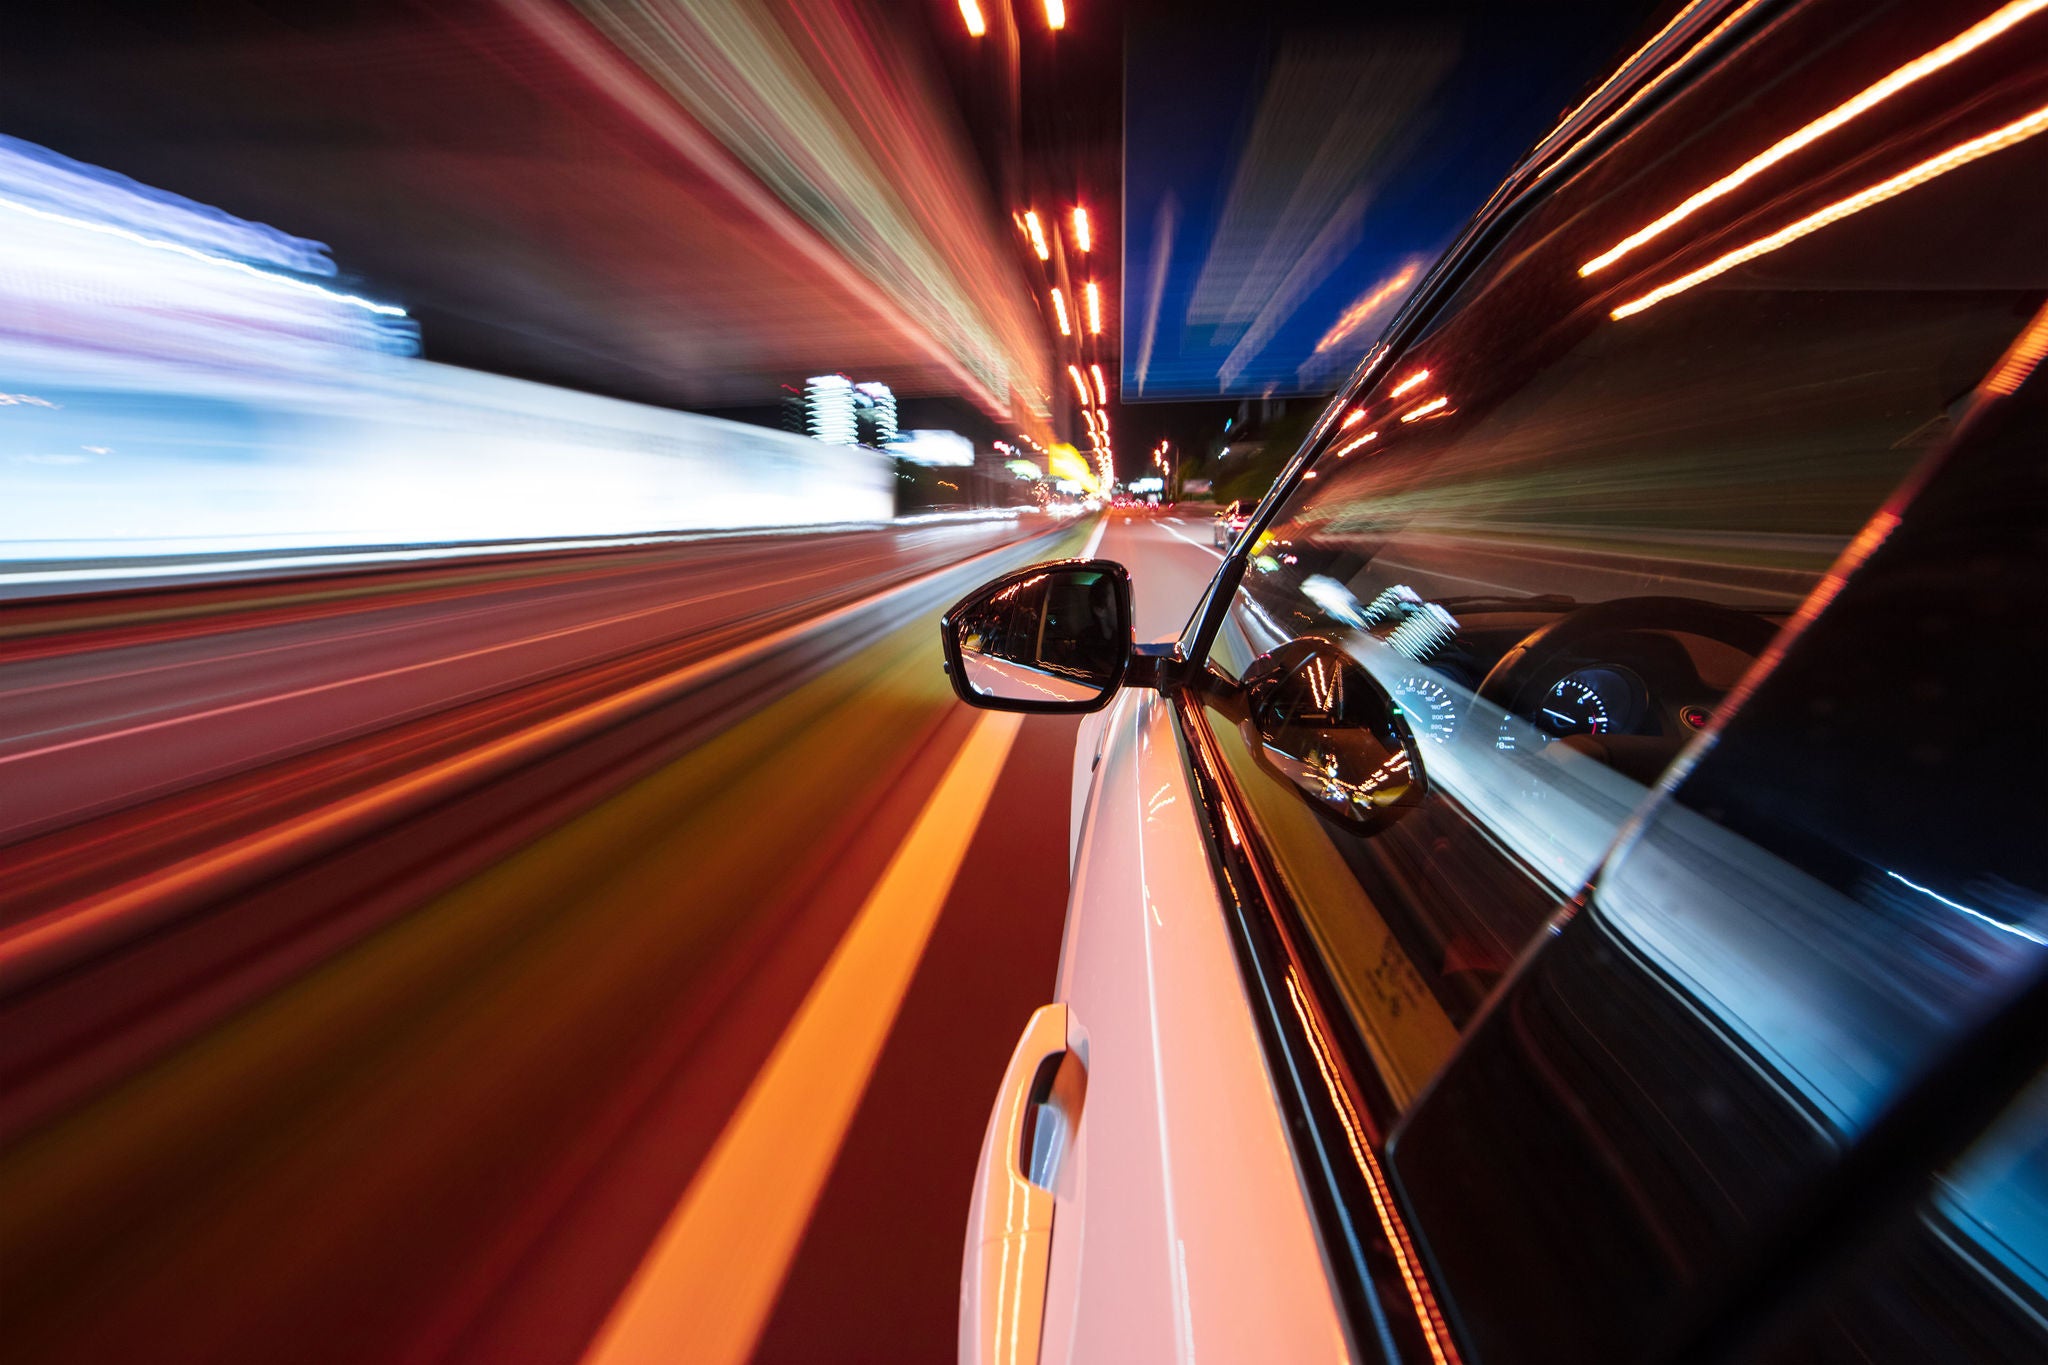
(592,957)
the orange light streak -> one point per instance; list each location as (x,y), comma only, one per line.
(971,12)
(1420,1297)
(2021,359)
(1959,155)
(1094,297)
(1055,13)
(1642,92)
(1409,384)
(1436,404)
(1354,316)
(1037,231)
(1080,384)
(1964,43)
(1082,238)
(1353,417)
(1059,308)
(1618,73)
(1101,389)
(1350,446)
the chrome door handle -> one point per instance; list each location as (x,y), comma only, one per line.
(1009,1227)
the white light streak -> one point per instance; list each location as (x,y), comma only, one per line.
(389,310)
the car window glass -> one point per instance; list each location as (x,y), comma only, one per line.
(1996,1198)
(1573,512)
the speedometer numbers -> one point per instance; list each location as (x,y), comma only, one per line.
(1430,711)
(1585,702)
(1574,707)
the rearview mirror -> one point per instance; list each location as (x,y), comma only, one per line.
(1053,637)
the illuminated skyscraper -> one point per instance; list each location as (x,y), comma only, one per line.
(828,410)
(874,410)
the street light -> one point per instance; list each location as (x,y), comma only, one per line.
(1082,238)
(1059,307)
(1094,297)
(1080,384)
(1055,13)
(1037,231)
(971,12)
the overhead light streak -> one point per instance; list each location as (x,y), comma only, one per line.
(1094,297)
(1964,43)
(1082,238)
(977,25)
(1101,389)
(1353,417)
(1037,231)
(1961,154)
(1341,451)
(1409,384)
(1055,13)
(1436,404)
(1059,308)
(1080,384)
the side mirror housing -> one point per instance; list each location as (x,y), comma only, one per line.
(1053,637)
(1320,721)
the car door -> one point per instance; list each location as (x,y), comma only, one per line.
(1535,561)
(1530,569)
(1745,1100)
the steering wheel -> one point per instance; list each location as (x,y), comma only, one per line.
(1505,682)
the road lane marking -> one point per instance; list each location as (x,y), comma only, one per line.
(1207,549)
(705,1289)
(1095,540)
(64,935)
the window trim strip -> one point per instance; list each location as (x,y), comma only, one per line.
(1335,1112)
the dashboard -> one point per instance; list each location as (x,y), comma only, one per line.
(1624,688)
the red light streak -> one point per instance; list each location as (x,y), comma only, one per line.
(1959,155)
(1964,43)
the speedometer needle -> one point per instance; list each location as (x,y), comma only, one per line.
(1566,719)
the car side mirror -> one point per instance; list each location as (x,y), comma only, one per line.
(1319,720)
(1053,637)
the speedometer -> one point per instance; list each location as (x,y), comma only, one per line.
(1574,707)
(1430,710)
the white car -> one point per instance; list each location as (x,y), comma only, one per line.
(1588,902)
